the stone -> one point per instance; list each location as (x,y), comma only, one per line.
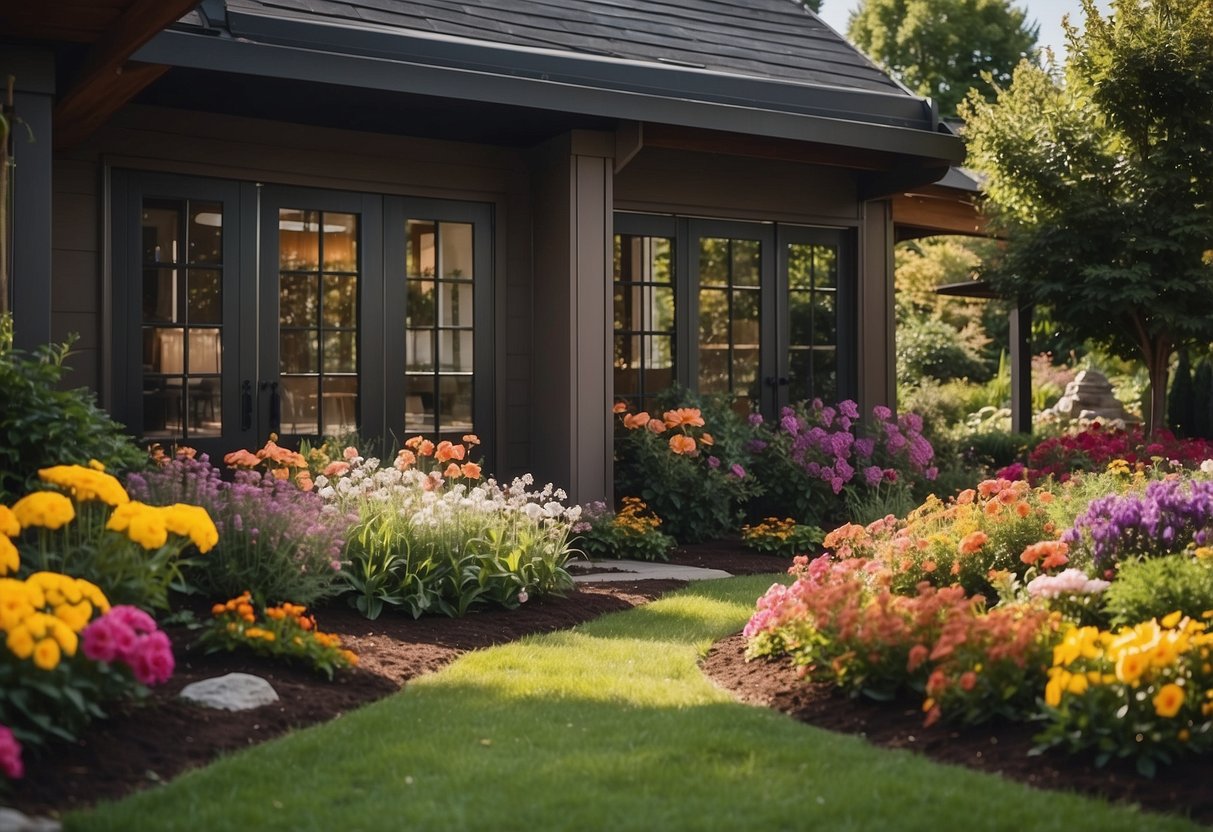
(13,821)
(1089,398)
(233,692)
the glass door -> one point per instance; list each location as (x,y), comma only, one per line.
(177,316)
(319,321)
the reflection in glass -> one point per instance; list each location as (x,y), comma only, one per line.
(455,403)
(812,320)
(456,250)
(745,318)
(298,301)
(163,407)
(747,267)
(205,407)
(419,306)
(455,350)
(340,300)
(160,295)
(205,297)
(455,304)
(300,412)
(420,236)
(340,411)
(419,349)
(713,370)
(299,351)
(204,352)
(713,262)
(161,225)
(340,351)
(298,240)
(644,308)
(419,401)
(205,233)
(340,242)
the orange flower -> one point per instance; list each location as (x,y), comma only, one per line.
(1053,553)
(452,471)
(415,442)
(405,459)
(471,439)
(1045,497)
(656,426)
(973,542)
(631,421)
(241,459)
(620,407)
(336,468)
(444,451)
(426,448)
(471,470)
(993,508)
(968,680)
(1023,509)
(688,416)
(707,439)
(682,444)
(304,480)
(1169,700)
(965,497)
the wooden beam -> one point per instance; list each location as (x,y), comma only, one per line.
(107,82)
(921,215)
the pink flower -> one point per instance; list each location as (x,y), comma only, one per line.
(523,597)
(133,617)
(100,643)
(153,662)
(350,453)
(10,755)
(336,469)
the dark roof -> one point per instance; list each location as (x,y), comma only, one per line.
(775,39)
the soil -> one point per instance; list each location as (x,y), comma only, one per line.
(150,742)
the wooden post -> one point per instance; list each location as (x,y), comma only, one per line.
(1021,368)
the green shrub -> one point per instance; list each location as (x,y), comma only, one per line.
(42,425)
(634,532)
(1155,587)
(930,348)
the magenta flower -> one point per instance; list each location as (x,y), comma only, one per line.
(10,755)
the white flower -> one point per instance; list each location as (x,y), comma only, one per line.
(1067,582)
(1206,467)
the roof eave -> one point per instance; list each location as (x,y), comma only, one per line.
(486,79)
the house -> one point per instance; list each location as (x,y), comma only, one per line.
(439,217)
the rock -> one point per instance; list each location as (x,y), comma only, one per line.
(233,692)
(1089,398)
(13,821)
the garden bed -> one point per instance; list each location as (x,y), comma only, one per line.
(998,747)
(148,743)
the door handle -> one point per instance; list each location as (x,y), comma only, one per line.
(776,381)
(275,405)
(246,405)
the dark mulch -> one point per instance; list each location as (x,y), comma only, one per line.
(1000,748)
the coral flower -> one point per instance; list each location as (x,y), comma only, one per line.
(426,448)
(241,459)
(471,470)
(656,426)
(471,439)
(452,471)
(336,469)
(973,542)
(620,407)
(1169,700)
(681,444)
(707,439)
(689,416)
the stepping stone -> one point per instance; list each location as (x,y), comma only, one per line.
(233,692)
(13,821)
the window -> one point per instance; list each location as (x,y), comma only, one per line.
(644,317)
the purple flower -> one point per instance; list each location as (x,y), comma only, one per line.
(755,446)
(865,447)
(713,462)
(790,424)
(737,471)
(827,416)
(882,413)
(872,475)
(755,419)
(848,409)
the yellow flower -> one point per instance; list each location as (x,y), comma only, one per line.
(1053,692)
(1168,701)
(20,643)
(193,522)
(8,522)
(46,654)
(86,483)
(10,559)
(75,616)
(1170,620)
(148,530)
(1130,666)
(47,509)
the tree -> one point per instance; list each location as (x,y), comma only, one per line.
(1100,177)
(941,48)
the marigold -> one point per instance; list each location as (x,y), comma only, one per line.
(10,559)
(86,483)
(972,542)
(45,509)
(632,421)
(1168,700)
(656,426)
(8,522)
(47,654)
(682,444)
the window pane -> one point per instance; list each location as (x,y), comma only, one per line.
(713,370)
(299,409)
(340,399)
(745,318)
(340,352)
(800,369)
(456,250)
(205,296)
(204,407)
(645,259)
(419,404)
(340,300)
(455,350)
(419,310)
(298,240)
(161,231)
(825,267)
(162,407)
(713,316)
(455,304)
(661,309)
(627,374)
(206,232)
(747,269)
(745,370)
(800,318)
(298,301)
(713,261)
(419,349)
(621,298)
(205,352)
(299,352)
(160,295)
(419,256)
(800,266)
(455,403)
(825,319)
(340,242)
(164,350)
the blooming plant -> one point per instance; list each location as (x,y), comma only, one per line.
(815,458)
(673,464)
(66,653)
(276,461)
(1144,692)
(1169,516)
(278,540)
(783,537)
(285,631)
(90,527)
(11,765)
(632,532)
(1095,446)
(445,540)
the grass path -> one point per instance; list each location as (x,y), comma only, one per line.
(607,726)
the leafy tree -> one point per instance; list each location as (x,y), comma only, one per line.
(942,48)
(1100,176)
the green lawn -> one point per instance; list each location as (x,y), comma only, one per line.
(607,726)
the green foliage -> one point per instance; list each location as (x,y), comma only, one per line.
(1202,396)
(42,425)
(930,348)
(634,532)
(944,48)
(783,537)
(924,265)
(1181,399)
(1154,587)
(1100,180)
